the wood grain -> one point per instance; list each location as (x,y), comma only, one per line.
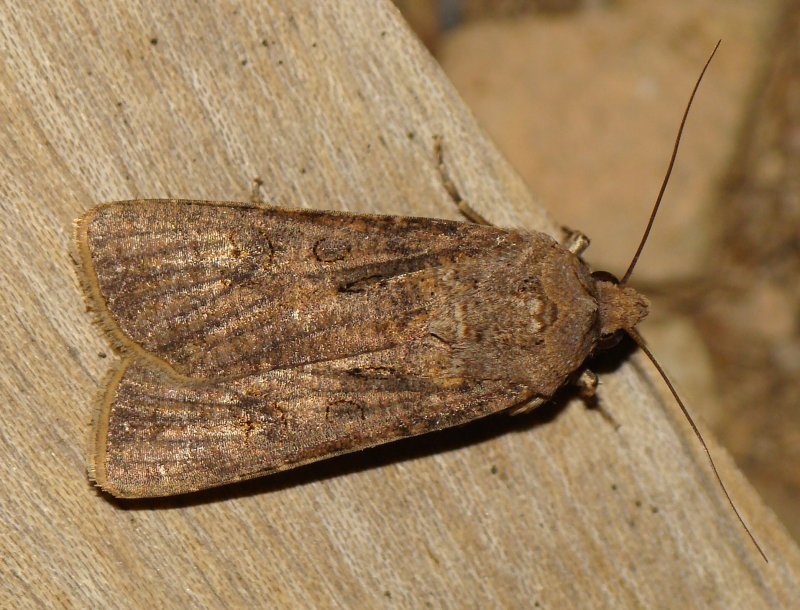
(330,108)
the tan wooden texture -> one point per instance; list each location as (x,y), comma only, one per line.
(325,105)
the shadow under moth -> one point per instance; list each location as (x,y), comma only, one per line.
(257,339)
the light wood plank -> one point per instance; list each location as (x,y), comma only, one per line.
(331,105)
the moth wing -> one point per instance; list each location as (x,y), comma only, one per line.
(160,435)
(216,290)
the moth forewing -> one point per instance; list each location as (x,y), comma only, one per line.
(258,339)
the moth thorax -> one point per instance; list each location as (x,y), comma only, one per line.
(619,307)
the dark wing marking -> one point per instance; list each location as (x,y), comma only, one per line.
(223,290)
(159,435)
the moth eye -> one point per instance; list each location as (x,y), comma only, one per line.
(609,341)
(605,276)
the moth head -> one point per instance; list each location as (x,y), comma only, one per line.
(620,308)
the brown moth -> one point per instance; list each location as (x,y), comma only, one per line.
(258,339)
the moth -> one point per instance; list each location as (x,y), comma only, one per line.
(258,339)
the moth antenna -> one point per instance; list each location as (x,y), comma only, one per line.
(669,169)
(640,342)
(638,338)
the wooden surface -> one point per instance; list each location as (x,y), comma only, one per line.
(330,108)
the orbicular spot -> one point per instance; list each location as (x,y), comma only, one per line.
(343,411)
(330,250)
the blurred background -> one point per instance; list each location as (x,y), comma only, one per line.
(584,98)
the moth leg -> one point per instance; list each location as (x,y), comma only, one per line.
(255,191)
(528,406)
(451,188)
(587,383)
(574,241)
